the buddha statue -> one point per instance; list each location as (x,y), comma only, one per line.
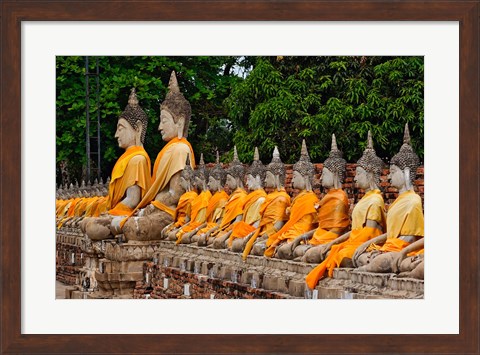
(198,212)
(216,204)
(182,212)
(251,209)
(234,206)
(368,218)
(302,214)
(333,218)
(130,175)
(272,212)
(157,207)
(405,223)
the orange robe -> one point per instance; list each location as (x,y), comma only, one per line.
(271,211)
(333,214)
(126,173)
(233,208)
(303,218)
(215,210)
(172,159)
(404,217)
(184,207)
(251,214)
(370,207)
(198,213)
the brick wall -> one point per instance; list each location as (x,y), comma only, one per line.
(69,260)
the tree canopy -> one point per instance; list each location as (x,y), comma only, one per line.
(247,101)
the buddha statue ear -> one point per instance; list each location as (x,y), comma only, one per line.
(277,182)
(138,133)
(180,125)
(406,174)
(308,184)
(336,181)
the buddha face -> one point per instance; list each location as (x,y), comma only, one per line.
(327,178)
(361,178)
(298,181)
(168,128)
(269,179)
(198,182)
(231,182)
(396,177)
(125,134)
(213,184)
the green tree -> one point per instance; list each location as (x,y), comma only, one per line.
(286,99)
(205,82)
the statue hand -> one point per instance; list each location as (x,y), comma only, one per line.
(397,258)
(360,250)
(324,249)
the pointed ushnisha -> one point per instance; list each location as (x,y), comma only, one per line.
(187,172)
(406,135)
(217,158)
(257,167)
(304,165)
(201,159)
(369,161)
(236,169)
(132,99)
(335,163)
(256,155)
(276,167)
(218,173)
(173,83)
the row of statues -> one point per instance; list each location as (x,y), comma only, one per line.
(188,204)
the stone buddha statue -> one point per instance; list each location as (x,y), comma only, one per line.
(405,223)
(182,212)
(302,214)
(199,205)
(368,218)
(234,206)
(251,209)
(157,207)
(216,205)
(272,212)
(130,178)
(333,218)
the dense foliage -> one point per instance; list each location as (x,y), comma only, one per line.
(286,99)
(279,102)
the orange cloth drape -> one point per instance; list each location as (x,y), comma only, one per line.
(333,213)
(183,207)
(370,207)
(251,214)
(128,172)
(215,210)
(303,217)
(271,211)
(171,159)
(198,213)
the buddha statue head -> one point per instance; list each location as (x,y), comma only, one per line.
(333,170)
(216,178)
(187,176)
(175,112)
(369,169)
(201,175)
(256,172)
(275,172)
(303,171)
(403,165)
(132,124)
(235,172)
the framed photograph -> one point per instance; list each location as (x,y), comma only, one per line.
(35,32)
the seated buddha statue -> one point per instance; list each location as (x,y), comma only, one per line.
(130,177)
(368,218)
(405,223)
(216,204)
(198,212)
(234,206)
(157,207)
(333,218)
(272,211)
(251,208)
(182,212)
(302,214)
